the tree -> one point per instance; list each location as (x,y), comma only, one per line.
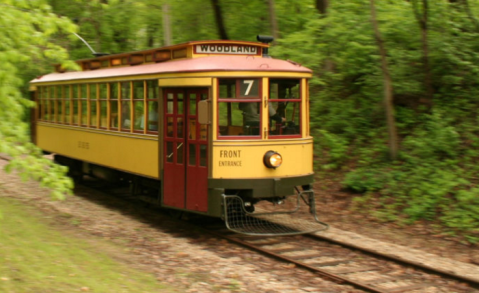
(272,20)
(322,6)
(423,19)
(25,31)
(166,24)
(219,19)
(388,89)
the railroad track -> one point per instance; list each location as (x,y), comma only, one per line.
(334,261)
(360,269)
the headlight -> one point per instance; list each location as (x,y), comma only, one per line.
(272,159)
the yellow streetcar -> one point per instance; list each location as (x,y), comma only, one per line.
(217,128)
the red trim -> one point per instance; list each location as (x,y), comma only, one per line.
(185,184)
(235,100)
(300,100)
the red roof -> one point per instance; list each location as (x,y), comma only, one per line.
(212,63)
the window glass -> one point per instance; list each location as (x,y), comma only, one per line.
(139,106)
(179,127)
(84,104)
(152,105)
(192,155)
(169,126)
(192,104)
(103,92)
(153,115)
(93,106)
(180,104)
(180,153)
(125,115)
(75,104)
(59,104)
(53,103)
(239,107)
(169,151)
(203,154)
(47,110)
(139,115)
(192,128)
(67,104)
(284,107)
(138,90)
(40,103)
(113,88)
(126,110)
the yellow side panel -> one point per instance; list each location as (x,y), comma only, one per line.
(199,81)
(245,159)
(134,154)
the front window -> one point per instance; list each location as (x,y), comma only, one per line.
(239,107)
(284,107)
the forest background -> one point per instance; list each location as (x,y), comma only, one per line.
(394,96)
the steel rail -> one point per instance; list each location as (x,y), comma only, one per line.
(415,264)
(324,273)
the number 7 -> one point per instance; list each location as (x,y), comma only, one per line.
(250,85)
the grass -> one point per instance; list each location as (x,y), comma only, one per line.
(36,258)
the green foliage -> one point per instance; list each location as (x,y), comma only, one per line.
(439,138)
(333,149)
(435,175)
(25,29)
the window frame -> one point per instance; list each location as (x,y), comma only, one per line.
(300,100)
(239,99)
(53,101)
(148,100)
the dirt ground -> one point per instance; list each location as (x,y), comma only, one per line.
(194,263)
(335,208)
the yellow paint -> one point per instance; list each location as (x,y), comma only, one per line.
(214,109)
(203,81)
(244,159)
(124,151)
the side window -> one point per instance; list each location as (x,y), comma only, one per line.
(152,105)
(41,103)
(113,100)
(67,104)
(239,107)
(59,104)
(93,105)
(84,104)
(125,96)
(50,104)
(284,107)
(139,106)
(76,105)
(103,104)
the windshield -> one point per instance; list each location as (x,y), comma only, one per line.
(241,103)
(284,107)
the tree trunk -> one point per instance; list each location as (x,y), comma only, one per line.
(388,89)
(272,20)
(322,6)
(166,25)
(465,3)
(423,24)
(219,19)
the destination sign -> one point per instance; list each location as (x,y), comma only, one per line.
(226,49)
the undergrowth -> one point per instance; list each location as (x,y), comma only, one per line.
(434,179)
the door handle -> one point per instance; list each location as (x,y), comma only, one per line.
(177,148)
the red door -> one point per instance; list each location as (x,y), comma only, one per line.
(185,156)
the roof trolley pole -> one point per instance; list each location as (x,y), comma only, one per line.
(96,54)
